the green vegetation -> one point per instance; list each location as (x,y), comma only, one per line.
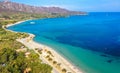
(8,39)
(16,62)
(12,61)
(18,16)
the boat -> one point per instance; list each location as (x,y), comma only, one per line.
(32,22)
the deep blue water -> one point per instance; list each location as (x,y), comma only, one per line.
(96,31)
(91,42)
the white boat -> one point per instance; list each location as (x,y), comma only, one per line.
(32,22)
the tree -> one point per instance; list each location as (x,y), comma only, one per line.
(64,70)
(54,62)
(50,59)
(47,56)
(49,52)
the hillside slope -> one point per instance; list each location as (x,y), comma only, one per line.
(33,9)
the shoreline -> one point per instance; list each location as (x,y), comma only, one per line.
(57,57)
(8,25)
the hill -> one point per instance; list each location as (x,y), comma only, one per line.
(37,10)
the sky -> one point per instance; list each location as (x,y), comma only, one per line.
(78,5)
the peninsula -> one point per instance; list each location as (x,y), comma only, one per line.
(17,54)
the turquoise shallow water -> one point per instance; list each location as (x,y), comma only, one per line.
(90,42)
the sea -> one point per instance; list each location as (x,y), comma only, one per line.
(90,42)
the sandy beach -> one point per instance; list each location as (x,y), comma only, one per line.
(14,24)
(55,57)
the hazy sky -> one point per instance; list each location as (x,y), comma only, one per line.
(79,5)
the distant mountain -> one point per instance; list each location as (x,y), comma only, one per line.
(12,6)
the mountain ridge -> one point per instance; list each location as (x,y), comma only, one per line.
(38,10)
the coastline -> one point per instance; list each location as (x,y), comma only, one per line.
(8,25)
(57,57)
